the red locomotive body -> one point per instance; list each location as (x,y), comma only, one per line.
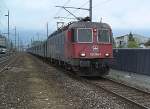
(85,47)
(88,50)
(88,45)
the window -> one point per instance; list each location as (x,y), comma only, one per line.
(84,35)
(103,36)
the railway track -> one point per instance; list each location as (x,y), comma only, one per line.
(4,58)
(139,98)
(131,94)
(6,61)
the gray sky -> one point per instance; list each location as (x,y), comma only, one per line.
(33,14)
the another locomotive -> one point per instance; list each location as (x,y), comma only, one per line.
(84,47)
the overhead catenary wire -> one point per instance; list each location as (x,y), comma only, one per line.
(79,7)
(67,2)
(75,10)
(83,5)
(106,1)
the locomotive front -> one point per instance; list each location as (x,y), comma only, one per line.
(90,47)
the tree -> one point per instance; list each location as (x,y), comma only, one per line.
(132,43)
(131,38)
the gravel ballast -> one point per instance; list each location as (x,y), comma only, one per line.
(31,84)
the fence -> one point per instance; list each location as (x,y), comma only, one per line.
(132,60)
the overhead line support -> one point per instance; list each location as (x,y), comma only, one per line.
(73,8)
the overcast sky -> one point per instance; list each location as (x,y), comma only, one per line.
(131,15)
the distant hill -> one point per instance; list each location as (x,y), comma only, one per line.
(119,32)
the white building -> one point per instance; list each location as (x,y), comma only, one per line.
(122,41)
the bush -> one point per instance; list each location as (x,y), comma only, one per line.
(133,44)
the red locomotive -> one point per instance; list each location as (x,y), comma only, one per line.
(85,47)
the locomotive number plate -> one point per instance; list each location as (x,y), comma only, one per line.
(95,54)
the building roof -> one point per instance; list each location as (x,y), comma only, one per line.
(122,36)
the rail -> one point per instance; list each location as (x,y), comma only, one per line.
(5,60)
(4,57)
(132,94)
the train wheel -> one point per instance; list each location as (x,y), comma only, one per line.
(105,70)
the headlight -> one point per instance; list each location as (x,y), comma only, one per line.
(83,54)
(107,55)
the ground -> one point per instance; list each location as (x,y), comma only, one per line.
(29,83)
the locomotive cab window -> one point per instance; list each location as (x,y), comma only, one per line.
(84,35)
(104,36)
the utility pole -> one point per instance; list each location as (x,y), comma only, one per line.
(38,36)
(47,30)
(21,45)
(15,36)
(31,42)
(90,10)
(8,25)
(18,43)
(8,28)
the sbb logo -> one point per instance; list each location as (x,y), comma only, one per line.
(95,48)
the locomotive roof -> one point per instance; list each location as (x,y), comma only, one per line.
(89,25)
(81,24)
